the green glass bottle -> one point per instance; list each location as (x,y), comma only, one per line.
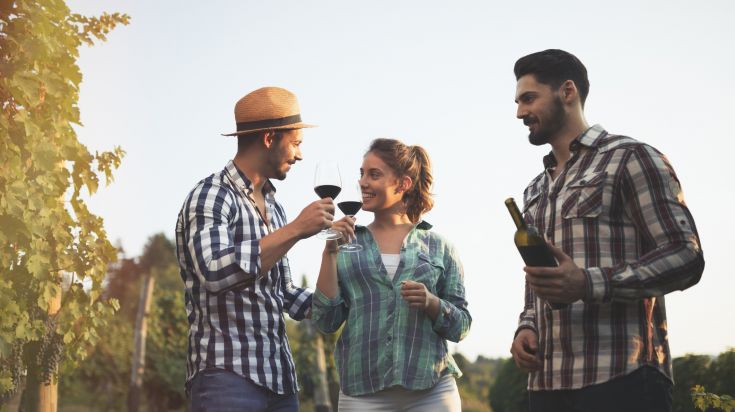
(531,245)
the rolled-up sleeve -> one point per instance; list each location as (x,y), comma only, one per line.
(672,258)
(296,300)
(454,320)
(219,263)
(527,318)
(328,314)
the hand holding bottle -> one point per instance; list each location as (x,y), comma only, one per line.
(533,248)
(565,283)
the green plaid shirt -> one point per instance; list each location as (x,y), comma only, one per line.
(384,343)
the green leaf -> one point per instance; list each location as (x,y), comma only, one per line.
(13,229)
(45,224)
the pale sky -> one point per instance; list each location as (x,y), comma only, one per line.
(438,74)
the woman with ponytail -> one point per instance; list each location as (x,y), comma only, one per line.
(400,299)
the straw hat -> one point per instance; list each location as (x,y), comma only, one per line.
(268,108)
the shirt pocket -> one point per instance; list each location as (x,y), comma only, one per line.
(583,196)
(530,204)
(428,271)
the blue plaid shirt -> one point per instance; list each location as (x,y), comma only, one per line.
(235,316)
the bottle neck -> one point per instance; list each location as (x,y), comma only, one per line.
(515,213)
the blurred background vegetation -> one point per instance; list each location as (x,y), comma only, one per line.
(102,381)
(54,252)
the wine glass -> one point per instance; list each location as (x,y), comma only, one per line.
(327,183)
(350,206)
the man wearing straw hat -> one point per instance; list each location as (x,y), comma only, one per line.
(232,238)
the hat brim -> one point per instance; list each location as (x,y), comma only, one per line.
(285,127)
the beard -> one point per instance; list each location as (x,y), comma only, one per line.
(553,123)
(278,168)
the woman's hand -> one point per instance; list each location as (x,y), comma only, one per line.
(345,226)
(418,297)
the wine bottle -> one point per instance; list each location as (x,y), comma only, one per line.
(531,244)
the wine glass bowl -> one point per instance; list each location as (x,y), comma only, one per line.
(327,183)
(350,206)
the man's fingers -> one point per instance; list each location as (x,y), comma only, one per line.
(558,253)
(326,204)
(542,271)
(526,358)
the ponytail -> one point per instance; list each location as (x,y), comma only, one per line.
(419,198)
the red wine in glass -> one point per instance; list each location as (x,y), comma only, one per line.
(327,191)
(327,183)
(350,207)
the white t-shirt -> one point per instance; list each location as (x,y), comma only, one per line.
(391,261)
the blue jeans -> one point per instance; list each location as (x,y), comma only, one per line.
(644,390)
(218,390)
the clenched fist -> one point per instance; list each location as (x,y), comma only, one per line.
(315,217)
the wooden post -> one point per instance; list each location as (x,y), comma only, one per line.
(141,329)
(48,395)
(321,390)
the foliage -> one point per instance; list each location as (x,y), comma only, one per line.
(475,381)
(301,338)
(704,400)
(693,373)
(508,393)
(689,370)
(722,370)
(46,229)
(168,328)
(107,370)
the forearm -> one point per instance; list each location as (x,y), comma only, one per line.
(327,280)
(432,310)
(274,246)
(451,321)
(675,267)
(653,204)
(328,308)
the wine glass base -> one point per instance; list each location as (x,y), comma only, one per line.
(350,247)
(329,234)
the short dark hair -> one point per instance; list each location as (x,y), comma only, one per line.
(553,67)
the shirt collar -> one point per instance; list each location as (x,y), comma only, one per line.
(589,138)
(242,182)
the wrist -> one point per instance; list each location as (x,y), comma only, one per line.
(330,252)
(294,231)
(434,303)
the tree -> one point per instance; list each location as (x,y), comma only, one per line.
(689,370)
(168,329)
(508,393)
(107,370)
(158,255)
(46,229)
(722,371)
